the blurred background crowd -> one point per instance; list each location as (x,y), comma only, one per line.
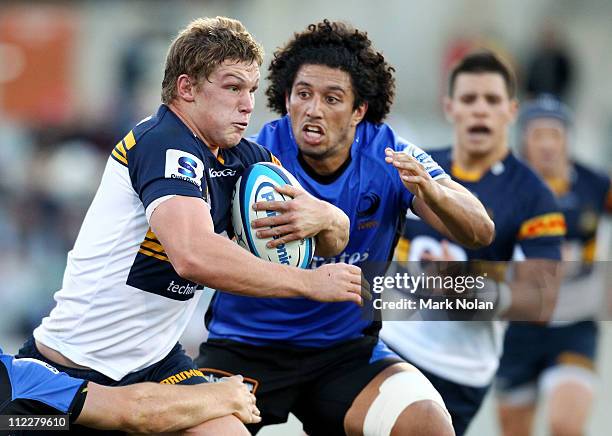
(75,76)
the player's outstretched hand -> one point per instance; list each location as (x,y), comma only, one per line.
(244,401)
(338,282)
(302,217)
(414,176)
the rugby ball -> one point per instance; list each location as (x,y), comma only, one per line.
(257,184)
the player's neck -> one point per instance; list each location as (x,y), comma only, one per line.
(478,163)
(183,115)
(328,165)
(558,178)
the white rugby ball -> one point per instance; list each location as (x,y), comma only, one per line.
(257,184)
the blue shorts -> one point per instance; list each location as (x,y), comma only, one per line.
(175,368)
(31,387)
(531,349)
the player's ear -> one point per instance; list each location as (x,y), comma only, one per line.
(447,104)
(514,107)
(359,113)
(185,88)
(287,101)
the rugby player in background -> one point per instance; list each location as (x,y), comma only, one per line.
(460,357)
(31,388)
(556,362)
(158,227)
(324,362)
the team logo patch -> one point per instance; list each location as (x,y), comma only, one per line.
(226,172)
(214,375)
(184,166)
(550,224)
(368,204)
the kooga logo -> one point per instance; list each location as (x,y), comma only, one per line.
(222,173)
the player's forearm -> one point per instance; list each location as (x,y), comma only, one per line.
(182,407)
(186,231)
(221,264)
(333,239)
(463,216)
(534,290)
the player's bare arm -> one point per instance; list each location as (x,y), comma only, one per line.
(140,408)
(303,217)
(445,205)
(185,229)
(534,289)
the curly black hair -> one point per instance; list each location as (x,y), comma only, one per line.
(335,45)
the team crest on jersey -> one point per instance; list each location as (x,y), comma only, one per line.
(368,204)
(185,166)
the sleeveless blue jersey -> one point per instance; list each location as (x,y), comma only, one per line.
(371,193)
(523,209)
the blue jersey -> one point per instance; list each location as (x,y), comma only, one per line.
(373,196)
(523,209)
(32,387)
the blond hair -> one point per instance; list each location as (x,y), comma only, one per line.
(202,46)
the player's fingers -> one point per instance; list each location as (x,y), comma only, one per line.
(389,155)
(255,416)
(353,269)
(361,292)
(408,165)
(354,277)
(279,235)
(277,228)
(365,289)
(289,190)
(232,379)
(271,221)
(417,180)
(355,298)
(351,293)
(290,237)
(279,206)
(355,288)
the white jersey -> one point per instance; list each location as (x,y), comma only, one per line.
(122,306)
(464,352)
